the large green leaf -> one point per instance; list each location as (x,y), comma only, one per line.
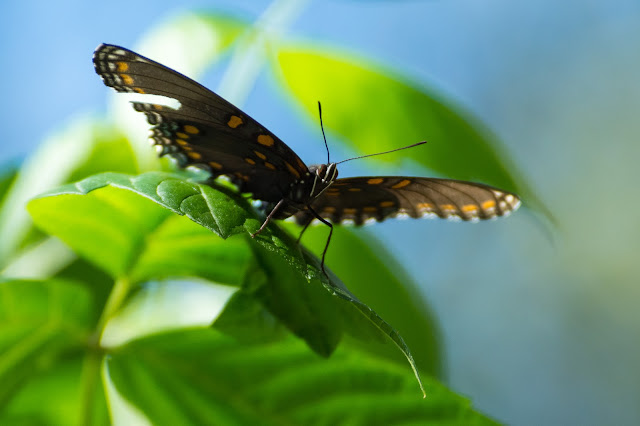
(56,397)
(202,377)
(44,329)
(376,110)
(104,220)
(126,234)
(371,272)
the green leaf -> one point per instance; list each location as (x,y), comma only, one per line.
(374,110)
(305,307)
(82,147)
(7,177)
(108,208)
(202,377)
(120,231)
(371,272)
(246,319)
(54,397)
(95,280)
(42,326)
(110,151)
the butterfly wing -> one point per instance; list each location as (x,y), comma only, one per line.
(362,199)
(205,130)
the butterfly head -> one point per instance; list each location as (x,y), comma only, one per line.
(327,173)
(323,176)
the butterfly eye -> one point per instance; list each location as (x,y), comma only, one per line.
(321,171)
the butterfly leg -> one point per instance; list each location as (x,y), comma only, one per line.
(326,247)
(268,219)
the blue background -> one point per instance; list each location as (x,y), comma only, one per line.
(536,330)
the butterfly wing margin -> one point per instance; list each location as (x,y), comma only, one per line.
(364,199)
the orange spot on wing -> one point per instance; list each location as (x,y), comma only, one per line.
(234,121)
(139,90)
(126,79)
(426,206)
(350,211)
(265,140)
(260,155)
(448,207)
(250,161)
(387,204)
(292,170)
(194,155)
(354,189)
(375,181)
(488,204)
(191,129)
(182,135)
(122,66)
(215,165)
(181,142)
(269,165)
(369,209)
(469,208)
(401,184)
(301,164)
(329,209)
(242,176)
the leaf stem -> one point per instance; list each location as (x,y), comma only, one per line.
(93,359)
(118,294)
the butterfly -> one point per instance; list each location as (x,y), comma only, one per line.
(209,132)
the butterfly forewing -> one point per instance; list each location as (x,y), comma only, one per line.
(205,130)
(379,197)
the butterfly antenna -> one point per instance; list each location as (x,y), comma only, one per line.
(323,135)
(385,152)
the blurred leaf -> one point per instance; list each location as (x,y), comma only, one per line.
(181,248)
(371,272)
(111,209)
(7,177)
(41,324)
(202,377)
(80,147)
(110,152)
(213,32)
(95,280)
(55,398)
(375,110)
(246,319)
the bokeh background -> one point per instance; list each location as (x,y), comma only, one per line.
(540,323)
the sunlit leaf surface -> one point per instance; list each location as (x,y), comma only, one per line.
(202,377)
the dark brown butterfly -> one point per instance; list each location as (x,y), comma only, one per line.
(209,132)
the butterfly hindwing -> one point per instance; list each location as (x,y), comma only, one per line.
(376,198)
(205,130)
